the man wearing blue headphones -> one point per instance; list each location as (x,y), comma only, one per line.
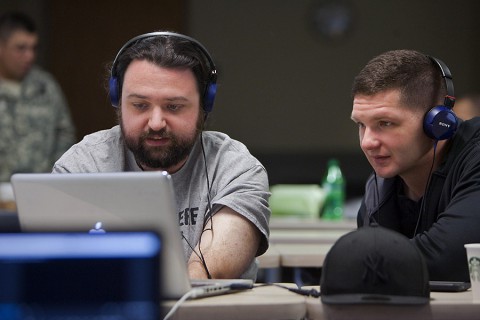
(426,180)
(163,86)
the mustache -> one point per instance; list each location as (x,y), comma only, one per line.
(158,134)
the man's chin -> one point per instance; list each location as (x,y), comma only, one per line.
(149,168)
(157,161)
(384,174)
(154,165)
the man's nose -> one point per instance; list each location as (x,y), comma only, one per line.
(157,119)
(369,139)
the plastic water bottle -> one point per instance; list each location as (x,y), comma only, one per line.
(334,186)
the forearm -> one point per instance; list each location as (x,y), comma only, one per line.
(228,248)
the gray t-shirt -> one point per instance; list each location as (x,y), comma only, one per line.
(236,179)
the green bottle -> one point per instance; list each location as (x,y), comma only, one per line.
(334,186)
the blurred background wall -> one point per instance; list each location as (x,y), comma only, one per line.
(285,67)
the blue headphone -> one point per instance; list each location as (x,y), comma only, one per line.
(440,122)
(208,96)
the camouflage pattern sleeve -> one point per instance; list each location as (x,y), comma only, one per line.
(35,125)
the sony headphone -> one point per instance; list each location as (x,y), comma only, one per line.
(440,122)
(208,96)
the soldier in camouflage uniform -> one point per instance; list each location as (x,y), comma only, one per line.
(35,123)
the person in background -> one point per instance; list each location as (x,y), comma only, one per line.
(35,123)
(163,85)
(468,106)
(426,161)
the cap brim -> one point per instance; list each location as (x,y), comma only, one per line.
(373,299)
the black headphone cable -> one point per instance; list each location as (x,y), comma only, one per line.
(208,213)
(422,205)
(207,217)
(377,200)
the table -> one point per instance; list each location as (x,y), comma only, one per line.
(265,302)
(297,242)
(306,236)
(8,206)
(443,305)
(298,248)
(277,303)
(269,266)
(296,256)
(296,223)
(270,259)
(304,255)
(302,243)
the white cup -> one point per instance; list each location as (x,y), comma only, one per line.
(473,257)
(6,192)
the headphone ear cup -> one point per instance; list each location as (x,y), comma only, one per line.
(209,97)
(440,123)
(114,91)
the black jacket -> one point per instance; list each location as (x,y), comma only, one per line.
(451,214)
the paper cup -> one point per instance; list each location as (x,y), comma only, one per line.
(7,198)
(6,192)
(473,257)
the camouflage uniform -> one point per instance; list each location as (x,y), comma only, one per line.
(35,125)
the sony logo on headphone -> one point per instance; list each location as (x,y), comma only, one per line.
(443,124)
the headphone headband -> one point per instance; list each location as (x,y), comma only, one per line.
(134,40)
(210,89)
(440,122)
(449,100)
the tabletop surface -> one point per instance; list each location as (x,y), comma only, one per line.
(262,302)
(306,236)
(443,305)
(271,302)
(294,255)
(292,223)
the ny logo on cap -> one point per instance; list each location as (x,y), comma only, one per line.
(375,269)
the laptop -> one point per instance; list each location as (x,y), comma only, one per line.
(77,275)
(103,202)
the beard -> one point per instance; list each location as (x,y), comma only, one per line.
(161,157)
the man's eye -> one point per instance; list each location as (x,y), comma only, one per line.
(385,123)
(173,107)
(140,106)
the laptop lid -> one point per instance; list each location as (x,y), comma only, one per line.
(102,202)
(78,275)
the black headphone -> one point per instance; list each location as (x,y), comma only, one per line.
(208,96)
(440,122)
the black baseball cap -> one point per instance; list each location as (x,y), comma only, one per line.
(374,265)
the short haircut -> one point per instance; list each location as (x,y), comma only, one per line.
(413,73)
(168,52)
(14,21)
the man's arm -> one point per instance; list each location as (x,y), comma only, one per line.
(228,249)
